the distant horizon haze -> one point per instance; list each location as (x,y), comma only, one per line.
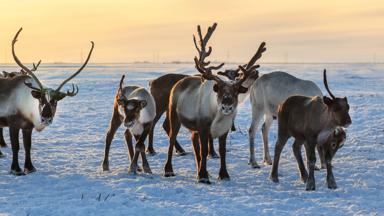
(296,31)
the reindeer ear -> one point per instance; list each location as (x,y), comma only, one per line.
(242,90)
(345,98)
(327,100)
(36,94)
(143,104)
(215,88)
(120,101)
(6,74)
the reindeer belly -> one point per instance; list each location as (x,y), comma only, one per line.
(191,124)
(7,109)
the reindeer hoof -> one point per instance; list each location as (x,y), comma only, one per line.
(133,169)
(169,174)
(274,179)
(310,185)
(331,183)
(181,153)
(105,167)
(213,155)
(28,170)
(224,178)
(204,181)
(1,154)
(267,162)
(254,165)
(151,152)
(332,186)
(147,170)
(17,172)
(317,168)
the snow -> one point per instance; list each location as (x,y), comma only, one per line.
(68,155)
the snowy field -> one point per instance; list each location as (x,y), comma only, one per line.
(68,156)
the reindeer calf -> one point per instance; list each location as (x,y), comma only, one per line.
(333,143)
(135,107)
(310,120)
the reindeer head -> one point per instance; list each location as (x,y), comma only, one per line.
(230,74)
(335,141)
(338,107)
(47,97)
(129,108)
(227,91)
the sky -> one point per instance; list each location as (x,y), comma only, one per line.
(161,30)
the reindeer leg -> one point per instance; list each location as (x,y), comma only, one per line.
(139,148)
(114,125)
(265,129)
(128,142)
(223,174)
(14,134)
(256,117)
(2,141)
(196,148)
(175,125)
(27,139)
(296,147)
(150,149)
(146,167)
(233,128)
(310,146)
(281,141)
(179,150)
(203,176)
(330,178)
(211,148)
(323,163)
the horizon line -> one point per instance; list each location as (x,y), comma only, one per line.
(191,62)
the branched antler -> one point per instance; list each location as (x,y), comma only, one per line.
(201,65)
(23,67)
(250,68)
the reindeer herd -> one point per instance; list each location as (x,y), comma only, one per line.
(205,103)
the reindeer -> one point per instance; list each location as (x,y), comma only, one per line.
(26,104)
(310,120)
(207,106)
(161,89)
(333,143)
(267,93)
(135,107)
(6,75)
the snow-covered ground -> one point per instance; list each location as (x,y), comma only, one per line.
(68,156)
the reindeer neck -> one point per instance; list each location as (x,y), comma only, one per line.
(221,124)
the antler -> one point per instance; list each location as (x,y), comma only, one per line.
(326,84)
(250,68)
(24,68)
(200,63)
(79,70)
(74,91)
(121,84)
